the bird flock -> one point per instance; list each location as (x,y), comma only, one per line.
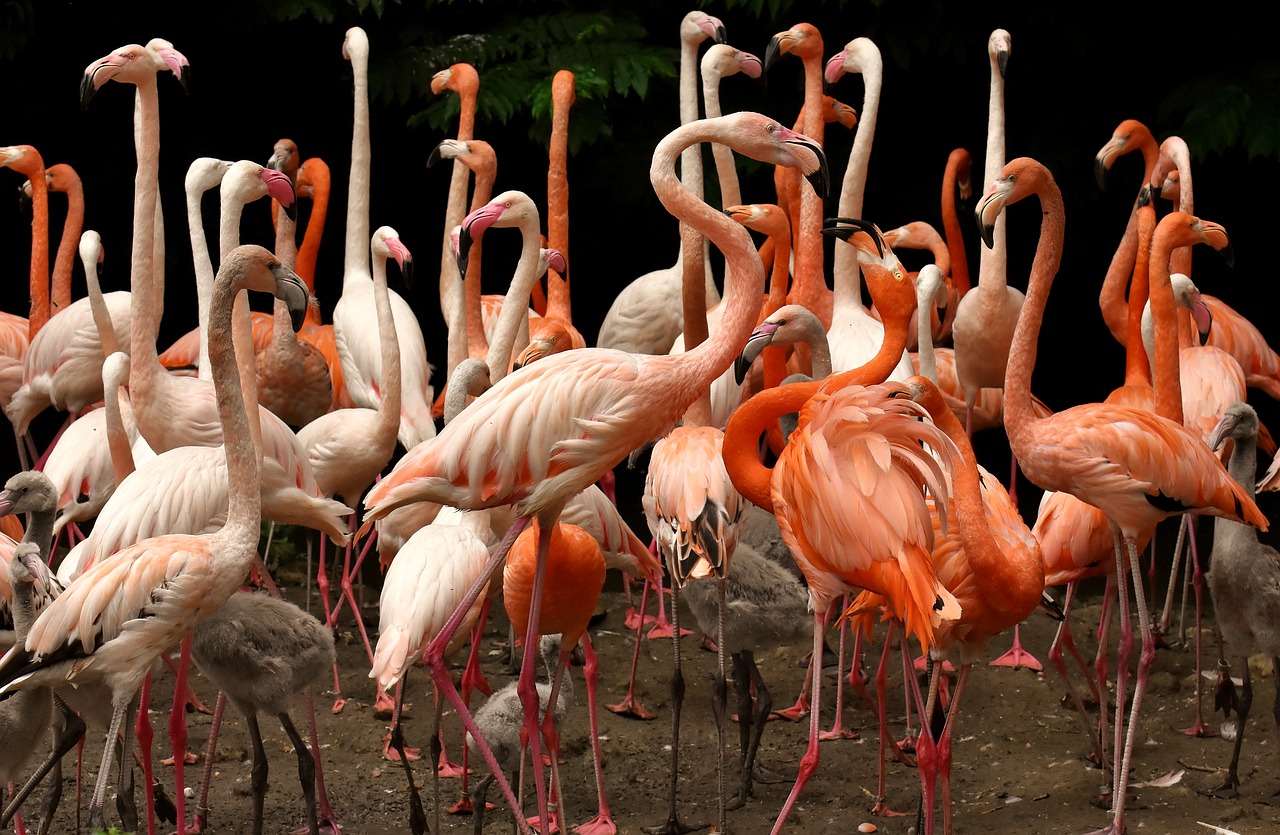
(806,431)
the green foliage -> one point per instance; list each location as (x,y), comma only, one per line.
(1229,109)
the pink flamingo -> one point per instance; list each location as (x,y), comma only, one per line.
(115,620)
(557,452)
(1138,468)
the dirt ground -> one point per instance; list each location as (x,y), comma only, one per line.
(1019,752)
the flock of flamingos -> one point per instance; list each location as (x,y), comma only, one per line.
(809,456)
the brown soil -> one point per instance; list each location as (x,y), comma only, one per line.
(1019,752)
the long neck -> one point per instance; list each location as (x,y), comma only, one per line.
(1181,262)
(704,362)
(809,252)
(1111,297)
(113,405)
(355,265)
(204,273)
(389,346)
(232,202)
(726,171)
(742,437)
(71,228)
(39,283)
(951,222)
(846,273)
(475,343)
(1019,416)
(39,528)
(558,194)
(244,510)
(1166,374)
(1137,368)
(309,251)
(993,260)
(897,328)
(515,306)
(924,337)
(144,304)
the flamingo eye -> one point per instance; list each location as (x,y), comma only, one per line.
(771,127)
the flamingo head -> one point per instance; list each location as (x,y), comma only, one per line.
(834,69)
(292,290)
(440,81)
(801,38)
(998,47)
(284,157)
(554,260)
(807,155)
(387,244)
(447,149)
(760,339)
(280,187)
(1240,420)
(106,68)
(173,60)
(844,115)
(27,491)
(698,26)
(1127,137)
(858,233)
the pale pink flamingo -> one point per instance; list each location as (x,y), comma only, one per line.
(1138,468)
(855,335)
(116,635)
(838,558)
(555,454)
(919,234)
(357,343)
(349,448)
(644,317)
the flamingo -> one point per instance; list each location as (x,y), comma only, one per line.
(643,319)
(1243,581)
(956,181)
(850,421)
(128,609)
(349,448)
(471,464)
(26,160)
(855,335)
(293,375)
(1137,467)
(558,314)
(919,234)
(61,177)
(356,343)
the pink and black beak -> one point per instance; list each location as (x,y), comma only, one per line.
(1203,317)
(555,261)
(831,227)
(291,290)
(280,187)
(472,226)
(820,178)
(98,73)
(404,259)
(757,342)
(177,64)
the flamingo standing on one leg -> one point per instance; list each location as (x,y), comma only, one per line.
(1138,468)
(557,452)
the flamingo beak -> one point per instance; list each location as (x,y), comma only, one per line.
(280,187)
(291,290)
(775,49)
(92,80)
(757,342)
(855,225)
(403,258)
(7,500)
(1222,430)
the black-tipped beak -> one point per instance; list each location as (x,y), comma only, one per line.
(463,253)
(292,211)
(1221,431)
(1146,195)
(435,155)
(87,90)
(1002,62)
(855,225)
(750,351)
(1051,607)
(1228,254)
(819,179)
(720,35)
(406,271)
(291,290)
(1100,172)
(772,53)
(987,233)
(185,80)
(24,203)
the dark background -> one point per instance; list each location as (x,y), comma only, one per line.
(1075,73)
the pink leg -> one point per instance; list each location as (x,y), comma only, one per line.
(145,739)
(886,738)
(801,707)
(809,762)
(1017,657)
(1198,727)
(1100,662)
(472,676)
(328,823)
(602,823)
(201,817)
(944,747)
(349,572)
(630,705)
(178,734)
(837,727)
(330,617)
(662,626)
(1061,639)
(19,827)
(435,662)
(928,757)
(526,688)
(391,751)
(192,700)
(856,679)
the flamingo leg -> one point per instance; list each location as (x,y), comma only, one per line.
(145,739)
(630,705)
(417,817)
(1166,615)
(551,736)
(809,762)
(856,678)
(1017,657)
(434,660)
(1198,727)
(72,733)
(927,754)
(720,704)
(746,727)
(673,825)
(837,727)
(886,738)
(526,687)
(201,817)
(1100,662)
(258,775)
(306,772)
(1061,639)
(602,823)
(944,746)
(178,732)
(1241,701)
(328,823)
(104,770)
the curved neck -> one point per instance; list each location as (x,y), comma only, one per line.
(243,470)
(1166,374)
(846,272)
(951,221)
(742,434)
(515,305)
(704,362)
(355,265)
(67,246)
(1019,415)
(1111,297)
(1181,261)
(1243,464)
(309,251)
(389,346)
(476,343)
(1137,368)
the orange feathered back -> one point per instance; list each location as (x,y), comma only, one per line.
(574,579)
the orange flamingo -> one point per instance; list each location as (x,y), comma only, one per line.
(812,500)
(1138,468)
(558,312)
(568,434)
(956,182)
(27,161)
(919,234)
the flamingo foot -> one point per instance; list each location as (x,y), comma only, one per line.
(188,757)
(673,826)
(390,753)
(795,713)
(338,704)
(464,806)
(384,707)
(1199,729)
(881,808)
(447,769)
(837,733)
(328,826)
(632,619)
(662,629)
(630,706)
(599,825)
(922,663)
(709,644)
(1018,658)
(536,823)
